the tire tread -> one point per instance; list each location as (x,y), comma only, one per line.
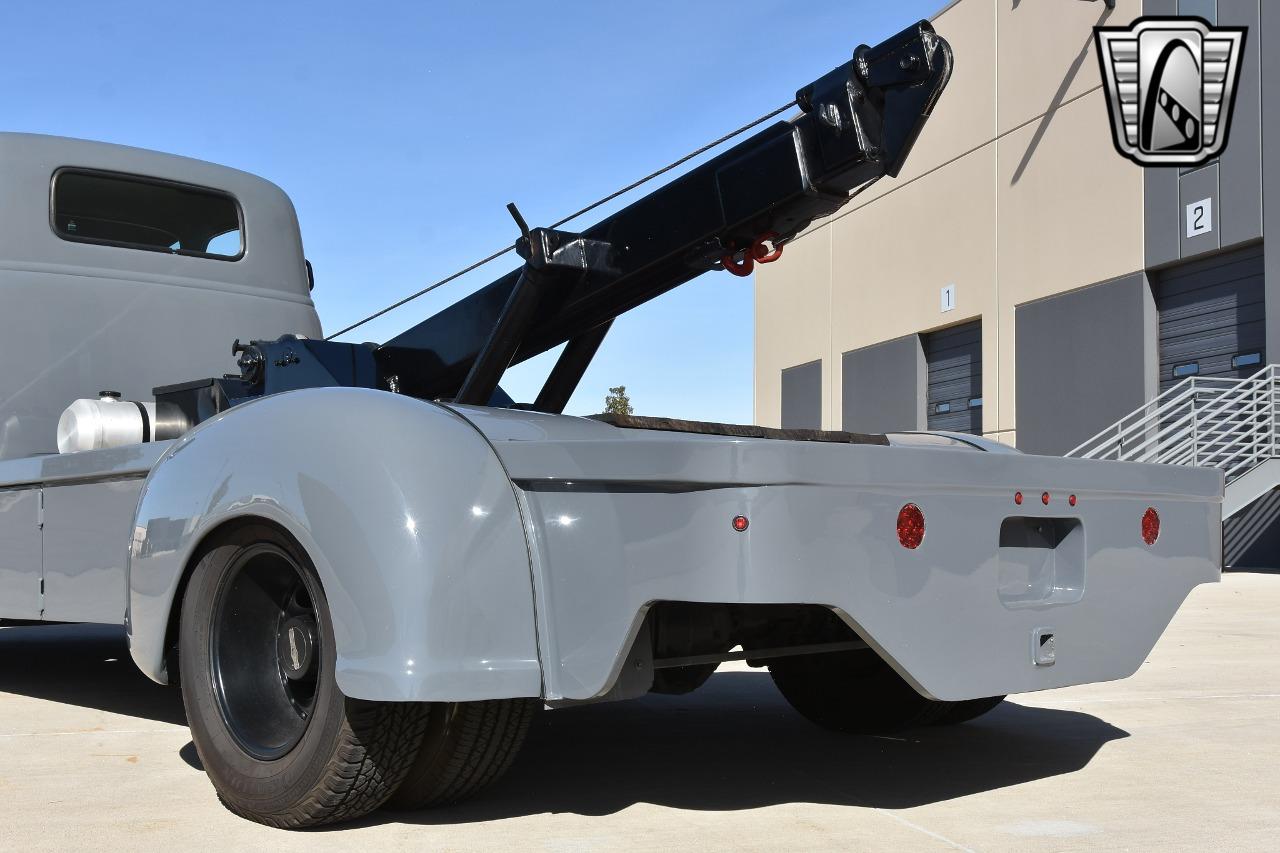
(477,747)
(378,744)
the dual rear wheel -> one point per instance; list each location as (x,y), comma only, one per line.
(284,747)
(279,741)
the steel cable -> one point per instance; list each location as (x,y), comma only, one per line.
(628,188)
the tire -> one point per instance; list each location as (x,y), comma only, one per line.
(856,692)
(467,747)
(969,709)
(281,745)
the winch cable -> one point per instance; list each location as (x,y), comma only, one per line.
(628,188)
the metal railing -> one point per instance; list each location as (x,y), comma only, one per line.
(1217,423)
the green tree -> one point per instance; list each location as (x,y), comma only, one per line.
(617,402)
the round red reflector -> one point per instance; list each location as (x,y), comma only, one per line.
(910,526)
(1072,500)
(740,523)
(1150,526)
(1044,498)
(1017,498)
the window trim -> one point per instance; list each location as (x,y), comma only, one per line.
(145,179)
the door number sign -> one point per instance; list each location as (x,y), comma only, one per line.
(1199,217)
(948,302)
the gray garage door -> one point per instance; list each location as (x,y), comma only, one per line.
(1211,317)
(954,357)
(802,396)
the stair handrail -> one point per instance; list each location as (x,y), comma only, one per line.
(1205,421)
(1115,434)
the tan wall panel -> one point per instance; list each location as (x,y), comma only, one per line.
(792,320)
(1072,217)
(892,258)
(1046,53)
(1049,207)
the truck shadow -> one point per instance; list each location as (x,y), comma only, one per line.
(734,744)
(85,665)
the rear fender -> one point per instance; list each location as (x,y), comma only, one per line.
(403,507)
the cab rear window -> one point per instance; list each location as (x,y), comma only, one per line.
(142,213)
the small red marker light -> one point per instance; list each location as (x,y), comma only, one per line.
(740,523)
(1150,526)
(1017,498)
(910,526)
(1044,498)
(1072,500)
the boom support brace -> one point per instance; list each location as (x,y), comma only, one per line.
(856,123)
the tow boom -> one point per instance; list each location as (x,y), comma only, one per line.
(857,123)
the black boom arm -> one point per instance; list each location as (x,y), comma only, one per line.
(856,123)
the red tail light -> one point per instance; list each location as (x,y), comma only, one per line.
(910,526)
(1017,498)
(1150,526)
(1044,498)
(740,523)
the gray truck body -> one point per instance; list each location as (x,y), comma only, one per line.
(478,553)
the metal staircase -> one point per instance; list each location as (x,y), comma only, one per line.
(1218,423)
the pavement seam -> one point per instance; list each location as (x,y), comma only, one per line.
(918,828)
(94,732)
(1113,700)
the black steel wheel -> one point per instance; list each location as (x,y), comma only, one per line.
(279,741)
(263,650)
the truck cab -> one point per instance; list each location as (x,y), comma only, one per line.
(123,269)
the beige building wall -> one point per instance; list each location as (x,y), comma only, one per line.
(1013,193)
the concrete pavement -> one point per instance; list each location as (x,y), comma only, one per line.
(1183,756)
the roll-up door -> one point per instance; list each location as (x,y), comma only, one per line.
(1211,317)
(954,357)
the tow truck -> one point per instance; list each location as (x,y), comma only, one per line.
(367,567)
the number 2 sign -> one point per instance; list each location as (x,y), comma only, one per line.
(1199,217)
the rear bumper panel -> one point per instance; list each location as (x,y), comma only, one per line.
(960,617)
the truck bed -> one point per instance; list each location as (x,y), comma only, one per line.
(738,430)
(624,517)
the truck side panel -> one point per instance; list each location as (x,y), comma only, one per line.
(623,518)
(86,547)
(20,554)
(403,507)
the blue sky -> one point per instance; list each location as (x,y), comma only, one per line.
(402,129)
